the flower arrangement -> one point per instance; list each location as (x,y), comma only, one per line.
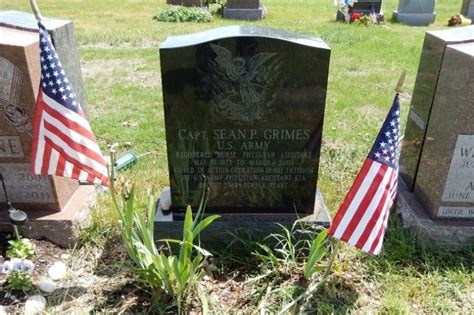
(359,18)
(345,6)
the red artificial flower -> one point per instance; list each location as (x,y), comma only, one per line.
(355,16)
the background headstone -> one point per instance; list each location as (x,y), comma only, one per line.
(436,162)
(186,3)
(242,4)
(51,202)
(64,41)
(244,106)
(468,8)
(243,10)
(364,7)
(415,12)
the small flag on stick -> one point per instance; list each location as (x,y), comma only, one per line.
(63,143)
(361,220)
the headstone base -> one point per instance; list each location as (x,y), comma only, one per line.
(414,19)
(445,234)
(244,14)
(247,225)
(61,228)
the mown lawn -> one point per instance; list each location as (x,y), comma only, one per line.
(118,43)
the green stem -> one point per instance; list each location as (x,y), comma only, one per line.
(316,286)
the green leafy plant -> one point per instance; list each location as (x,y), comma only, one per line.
(162,272)
(317,251)
(287,249)
(18,273)
(177,13)
(292,250)
(18,280)
(21,248)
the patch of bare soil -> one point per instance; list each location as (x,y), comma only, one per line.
(144,44)
(96,279)
(47,253)
(120,71)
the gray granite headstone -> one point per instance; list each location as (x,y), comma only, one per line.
(468,8)
(62,35)
(415,12)
(243,10)
(437,159)
(244,106)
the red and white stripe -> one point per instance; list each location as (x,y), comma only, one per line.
(64,144)
(362,218)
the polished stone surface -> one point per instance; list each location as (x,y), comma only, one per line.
(246,225)
(445,179)
(243,10)
(242,4)
(62,34)
(19,82)
(424,93)
(244,106)
(366,6)
(468,8)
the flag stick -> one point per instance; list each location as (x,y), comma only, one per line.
(401,80)
(36,11)
(320,283)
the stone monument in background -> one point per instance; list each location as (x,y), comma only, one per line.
(244,106)
(54,204)
(186,3)
(468,8)
(243,10)
(415,12)
(363,7)
(437,160)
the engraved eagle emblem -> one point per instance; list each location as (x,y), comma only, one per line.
(242,88)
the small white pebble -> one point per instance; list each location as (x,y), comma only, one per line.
(47,285)
(57,271)
(65,256)
(35,304)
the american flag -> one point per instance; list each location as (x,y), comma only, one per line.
(362,218)
(63,143)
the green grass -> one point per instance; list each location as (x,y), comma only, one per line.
(118,44)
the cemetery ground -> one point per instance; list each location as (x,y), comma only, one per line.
(118,44)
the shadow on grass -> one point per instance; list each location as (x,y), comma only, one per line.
(401,250)
(337,297)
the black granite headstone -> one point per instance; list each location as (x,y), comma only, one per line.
(62,35)
(244,106)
